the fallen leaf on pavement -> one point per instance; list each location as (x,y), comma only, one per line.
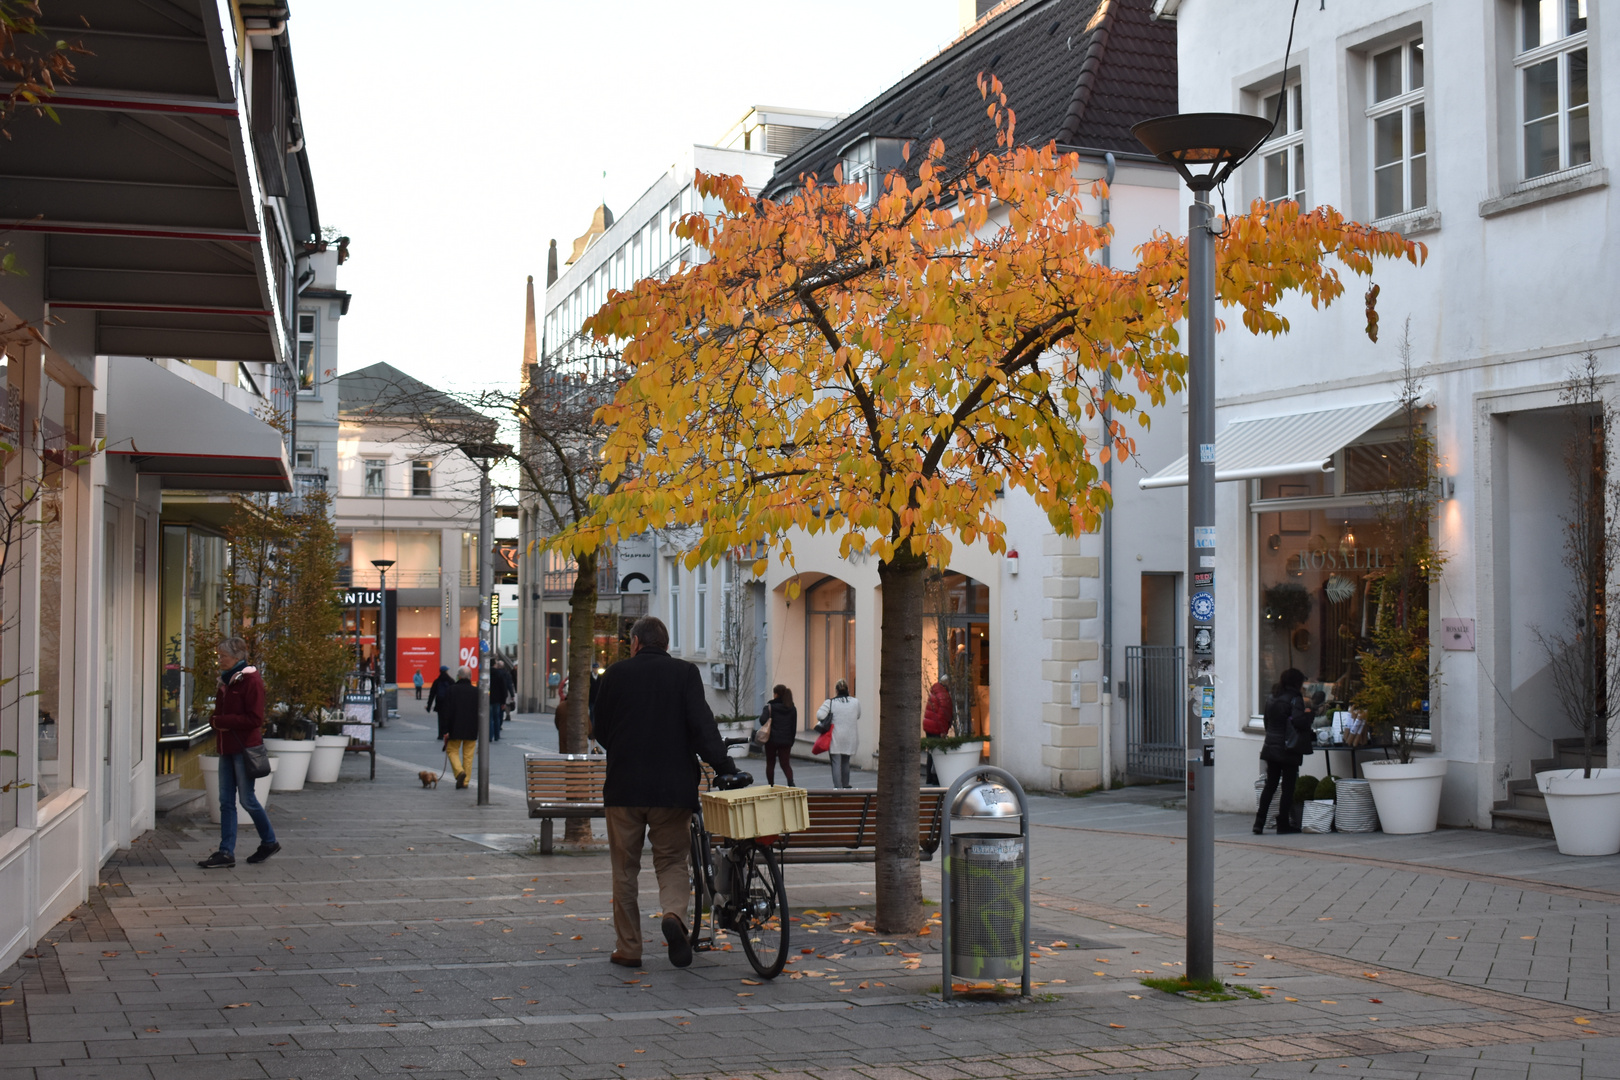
(745,995)
(520,1061)
(240,1005)
(1143,905)
(577,937)
(1134,997)
(1376,1001)
(1325,1001)
(1116,1025)
(1290,999)
(1582,1020)
(750,982)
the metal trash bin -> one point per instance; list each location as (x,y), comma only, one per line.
(986,880)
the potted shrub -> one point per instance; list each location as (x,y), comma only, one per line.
(326,760)
(1396,673)
(1316,815)
(1584,803)
(954,754)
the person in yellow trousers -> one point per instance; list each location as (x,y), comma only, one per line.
(463,727)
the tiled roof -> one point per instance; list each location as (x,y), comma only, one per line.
(1078,71)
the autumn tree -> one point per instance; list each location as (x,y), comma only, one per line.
(878,370)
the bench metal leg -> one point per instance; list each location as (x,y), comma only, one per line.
(545,836)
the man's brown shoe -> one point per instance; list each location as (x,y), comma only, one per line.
(625,961)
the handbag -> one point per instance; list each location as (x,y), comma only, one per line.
(763,735)
(823,742)
(256,761)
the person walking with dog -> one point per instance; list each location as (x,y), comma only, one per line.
(654,721)
(461,727)
(238,723)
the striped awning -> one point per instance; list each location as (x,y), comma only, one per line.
(1281,445)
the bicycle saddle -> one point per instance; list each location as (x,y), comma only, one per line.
(734,780)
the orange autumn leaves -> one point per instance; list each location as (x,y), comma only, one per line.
(881,370)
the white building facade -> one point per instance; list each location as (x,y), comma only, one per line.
(1480,129)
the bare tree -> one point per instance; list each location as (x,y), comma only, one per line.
(1583,661)
(738,644)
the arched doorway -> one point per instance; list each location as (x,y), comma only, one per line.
(829,643)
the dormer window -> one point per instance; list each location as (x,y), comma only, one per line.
(868,160)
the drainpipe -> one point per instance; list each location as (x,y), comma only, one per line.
(1107,748)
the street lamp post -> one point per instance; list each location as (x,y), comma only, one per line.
(1220,141)
(382,566)
(484,455)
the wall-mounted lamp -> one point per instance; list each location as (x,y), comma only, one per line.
(1012,561)
(1445,487)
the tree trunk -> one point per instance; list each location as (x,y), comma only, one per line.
(899,875)
(575,733)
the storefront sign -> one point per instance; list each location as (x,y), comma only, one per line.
(362,598)
(1342,558)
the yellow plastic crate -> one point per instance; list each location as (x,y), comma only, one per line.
(756,811)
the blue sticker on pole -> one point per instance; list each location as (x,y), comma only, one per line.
(1203,607)
(1206,453)
(1203,536)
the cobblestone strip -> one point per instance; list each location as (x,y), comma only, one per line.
(39,971)
(1206,1053)
(1507,881)
(1327,964)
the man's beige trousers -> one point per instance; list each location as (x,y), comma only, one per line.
(627,829)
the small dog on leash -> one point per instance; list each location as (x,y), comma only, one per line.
(429,779)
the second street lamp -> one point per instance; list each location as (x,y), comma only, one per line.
(484,455)
(1217,143)
(382,566)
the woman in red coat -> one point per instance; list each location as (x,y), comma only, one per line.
(238,723)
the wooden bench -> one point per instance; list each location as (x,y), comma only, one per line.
(843,826)
(843,821)
(570,786)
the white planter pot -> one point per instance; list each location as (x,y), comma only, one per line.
(294,755)
(261,787)
(1585,810)
(1407,796)
(327,760)
(950,764)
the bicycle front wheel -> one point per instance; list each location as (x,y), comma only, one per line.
(762,917)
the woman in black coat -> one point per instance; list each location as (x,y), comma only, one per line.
(784,720)
(1286,712)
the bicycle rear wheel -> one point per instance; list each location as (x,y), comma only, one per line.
(762,917)
(702,884)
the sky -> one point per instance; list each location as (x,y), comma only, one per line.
(450,142)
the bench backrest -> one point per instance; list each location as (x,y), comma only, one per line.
(846,818)
(574,778)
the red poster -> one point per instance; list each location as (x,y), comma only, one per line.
(416,654)
(469,656)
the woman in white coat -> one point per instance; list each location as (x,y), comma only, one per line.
(842,713)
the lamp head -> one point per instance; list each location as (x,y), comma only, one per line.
(382,564)
(1216,140)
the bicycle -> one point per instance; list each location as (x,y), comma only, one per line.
(739,884)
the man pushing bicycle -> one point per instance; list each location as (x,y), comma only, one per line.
(654,722)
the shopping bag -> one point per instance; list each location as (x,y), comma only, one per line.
(823,742)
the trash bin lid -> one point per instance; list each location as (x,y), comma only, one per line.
(986,800)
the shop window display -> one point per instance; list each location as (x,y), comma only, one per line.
(1318,569)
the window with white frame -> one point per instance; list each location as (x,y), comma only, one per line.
(1554,105)
(422,479)
(700,609)
(1282,157)
(1399,135)
(304,457)
(675,603)
(306,350)
(375,471)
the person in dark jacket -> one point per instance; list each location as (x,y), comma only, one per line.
(500,693)
(783,716)
(461,725)
(439,700)
(1285,712)
(654,722)
(238,723)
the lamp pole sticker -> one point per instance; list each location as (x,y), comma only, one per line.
(1203,536)
(1203,640)
(1203,607)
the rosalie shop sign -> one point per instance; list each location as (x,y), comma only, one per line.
(1341,558)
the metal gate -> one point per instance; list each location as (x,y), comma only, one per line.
(1155,712)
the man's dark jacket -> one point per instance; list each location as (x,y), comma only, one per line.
(652,719)
(500,686)
(460,718)
(439,697)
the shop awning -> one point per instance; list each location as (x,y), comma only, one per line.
(1281,445)
(167,427)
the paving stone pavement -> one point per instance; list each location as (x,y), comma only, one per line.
(405,931)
